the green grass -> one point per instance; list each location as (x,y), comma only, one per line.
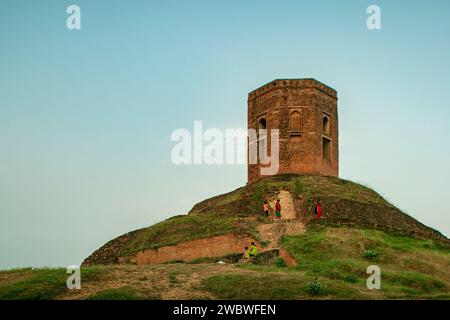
(338,254)
(280,286)
(335,258)
(404,243)
(344,189)
(43,284)
(418,282)
(173,277)
(298,187)
(318,186)
(256,286)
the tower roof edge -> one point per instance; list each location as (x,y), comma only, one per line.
(293,82)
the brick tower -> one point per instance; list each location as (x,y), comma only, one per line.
(305,112)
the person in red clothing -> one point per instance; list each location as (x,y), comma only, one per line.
(278,209)
(318,210)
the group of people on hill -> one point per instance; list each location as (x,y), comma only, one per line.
(317,210)
(277,209)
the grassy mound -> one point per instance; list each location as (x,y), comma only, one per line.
(331,261)
(345,203)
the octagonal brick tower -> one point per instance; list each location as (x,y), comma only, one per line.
(305,112)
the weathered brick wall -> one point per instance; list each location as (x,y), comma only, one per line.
(296,107)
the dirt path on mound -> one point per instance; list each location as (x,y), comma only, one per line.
(288,225)
(287,205)
(274,232)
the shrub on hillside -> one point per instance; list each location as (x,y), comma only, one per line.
(280,263)
(315,288)
(370,254)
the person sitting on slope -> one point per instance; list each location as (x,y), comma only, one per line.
(246,254)
(253,250)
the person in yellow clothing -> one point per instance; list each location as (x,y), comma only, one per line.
(246,254)
(253,250)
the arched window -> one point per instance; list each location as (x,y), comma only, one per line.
(262,123)
(326,125)
(295,122)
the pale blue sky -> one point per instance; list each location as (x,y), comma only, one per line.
(86,116)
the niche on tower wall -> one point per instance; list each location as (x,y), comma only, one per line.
(295,136)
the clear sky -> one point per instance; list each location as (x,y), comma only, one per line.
(86,115)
